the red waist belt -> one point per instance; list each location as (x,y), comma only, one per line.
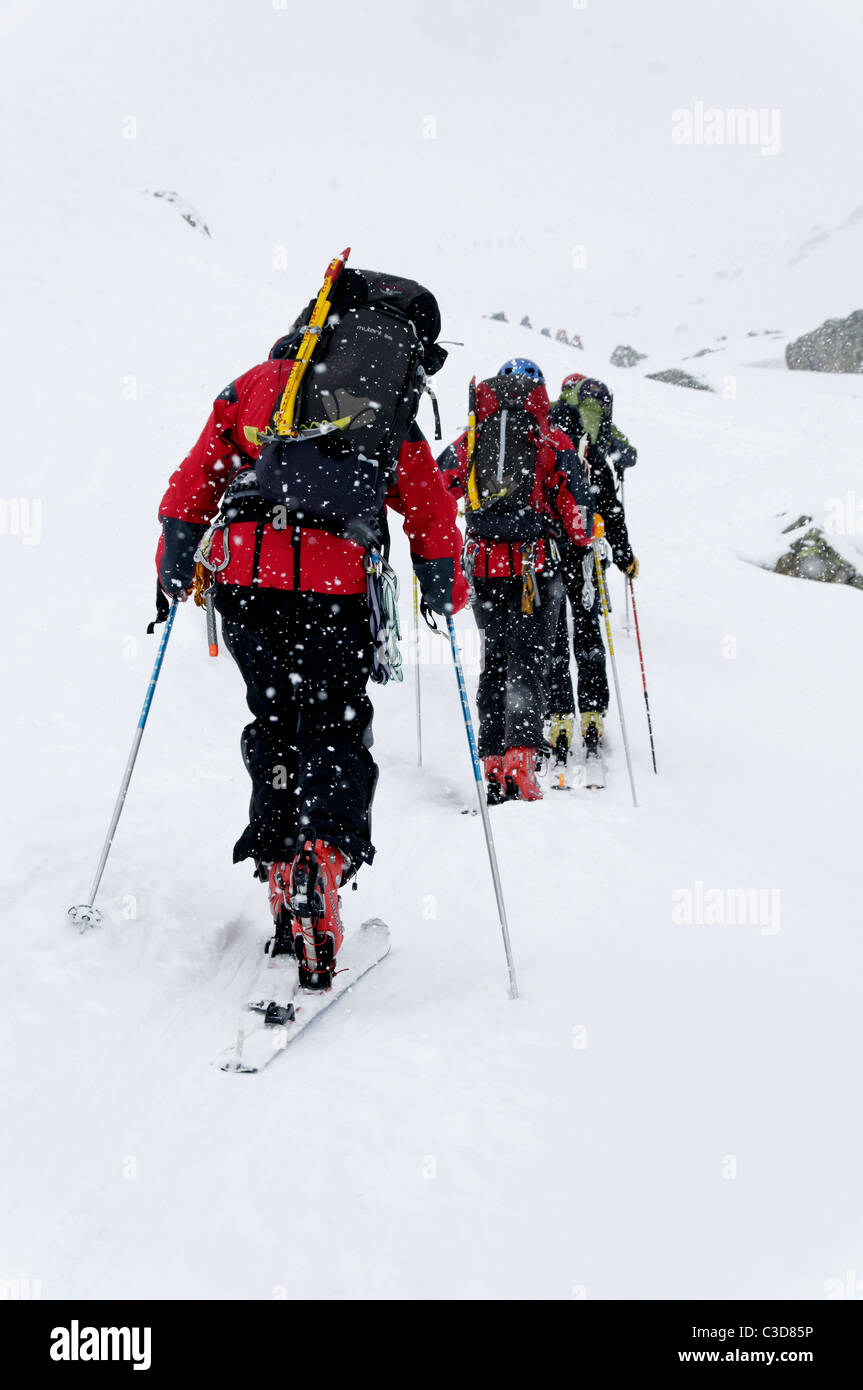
(502,559)
(293,558)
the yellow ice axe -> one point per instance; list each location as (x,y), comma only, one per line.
(472,489)
(284,422)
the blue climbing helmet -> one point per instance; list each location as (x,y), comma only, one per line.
(521,366)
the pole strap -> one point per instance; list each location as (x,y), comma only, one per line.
(163,608)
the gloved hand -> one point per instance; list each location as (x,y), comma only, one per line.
(444,587)
(175,557)
(630,569)
(172,592)
(621,456)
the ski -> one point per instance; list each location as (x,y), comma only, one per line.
(275,1017)
(594,768)
(587,773)
(593,772)
(275,984)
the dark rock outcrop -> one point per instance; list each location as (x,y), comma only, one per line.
(626,356)
(812,557)
(837,346)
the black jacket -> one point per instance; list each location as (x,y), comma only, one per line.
(605,499)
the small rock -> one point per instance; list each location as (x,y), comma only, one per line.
(675,377)
(186,211)
(626,356)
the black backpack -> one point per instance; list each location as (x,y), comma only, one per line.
(511,415)
(376,351)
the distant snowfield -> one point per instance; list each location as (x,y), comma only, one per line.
(667,1110)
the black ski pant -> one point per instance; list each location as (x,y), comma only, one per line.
(583,594)
(513,695)
(306,660)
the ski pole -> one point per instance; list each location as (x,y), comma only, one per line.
(483,808)
(86,915)
(601,583)
(643,676)
(418,691)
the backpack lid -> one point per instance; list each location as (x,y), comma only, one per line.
(376,287)
(512,392)
(408,297)
(355,288)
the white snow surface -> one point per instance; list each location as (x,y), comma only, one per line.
(668,1110)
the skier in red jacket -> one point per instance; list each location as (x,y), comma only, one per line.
(521,494)
(292,592)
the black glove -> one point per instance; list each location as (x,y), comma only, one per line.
(436,578)
(621,457)
(177,566)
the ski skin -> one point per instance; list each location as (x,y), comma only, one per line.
(259,1044)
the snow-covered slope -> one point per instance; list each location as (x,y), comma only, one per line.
(665,1112)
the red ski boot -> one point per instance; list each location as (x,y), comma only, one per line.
(494,781)
(519,771)
(316,874)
